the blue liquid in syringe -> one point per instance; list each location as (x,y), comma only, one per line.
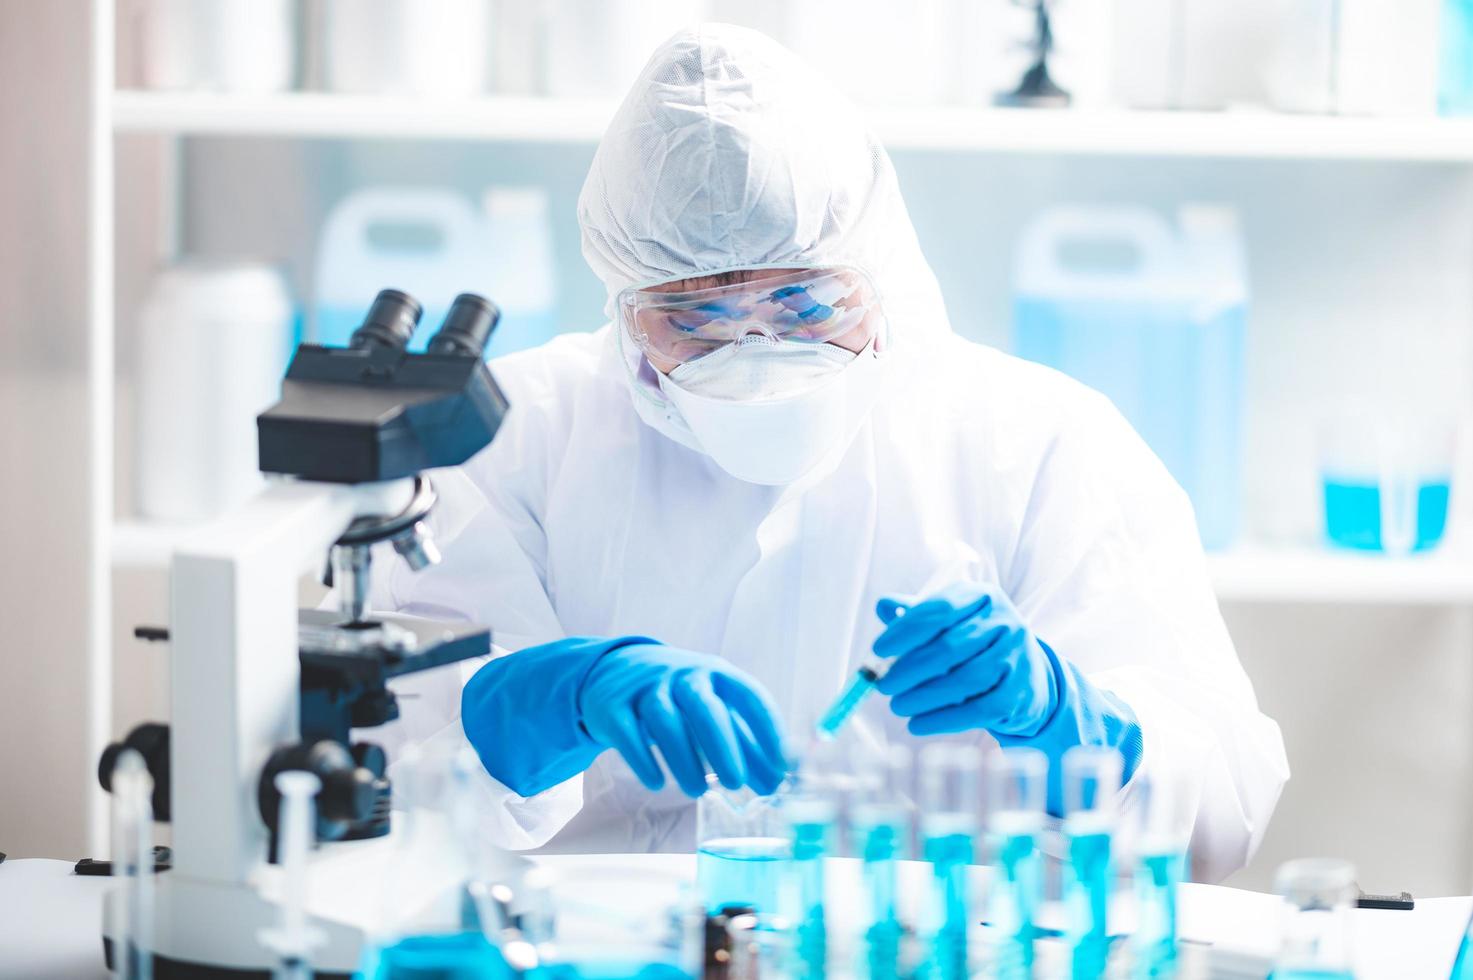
(1157,878)
(741,871)
(453,956)
(1016,894)
(849,699)
(949,851)
(1088,896)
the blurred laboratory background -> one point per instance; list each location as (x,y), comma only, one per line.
(1248,222)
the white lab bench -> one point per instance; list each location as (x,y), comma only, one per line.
(50,919)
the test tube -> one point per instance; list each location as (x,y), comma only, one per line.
(1017,786)
(881,817)
(1318,895)
(1163,829)
(950,802)
(1091,784)
(810,815)
(292,940)
(132,852)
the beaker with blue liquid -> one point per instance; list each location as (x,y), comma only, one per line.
(1092,777)
(1319,894)
(436,916)
(1017,788)
(742,848)
(950,775)
(1386,484)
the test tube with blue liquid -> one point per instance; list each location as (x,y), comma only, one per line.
(810,815)
(1091,784)
(742,848)
(1017,788)
(1319,894)
(950,774)
(962,564)
(1163,831)
(1463,965)
(881,823)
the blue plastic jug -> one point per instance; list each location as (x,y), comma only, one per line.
(435,244)
(1154,318)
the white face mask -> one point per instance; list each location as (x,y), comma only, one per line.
(757,368)
(779,413)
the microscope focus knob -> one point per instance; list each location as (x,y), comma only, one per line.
(349,790)
(150,740)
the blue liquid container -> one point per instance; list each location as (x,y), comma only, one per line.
(1157,882)
(1463,965)
(1156,320)
(434,244)
(880,831)
(452,956)
(950,854)
(1455,60)
(1017,889)
(741,871)
(611,968)
(1087,894)
(810,838)
(1353,513)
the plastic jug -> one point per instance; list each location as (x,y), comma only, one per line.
(213,343)
(1154,318)
(435,244)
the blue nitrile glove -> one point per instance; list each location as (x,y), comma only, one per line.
(964,660)
(541,716)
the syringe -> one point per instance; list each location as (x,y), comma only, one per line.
(963,561)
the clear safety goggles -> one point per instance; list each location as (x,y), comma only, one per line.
(811,306)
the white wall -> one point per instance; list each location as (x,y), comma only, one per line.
(46,767)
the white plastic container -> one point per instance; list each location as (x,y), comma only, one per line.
(1154,318)
(419,48)
(434,244)
(221,45)
(213,343)
(1356,57)
(596,48)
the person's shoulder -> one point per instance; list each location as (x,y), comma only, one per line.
(552,370)
(1003,387)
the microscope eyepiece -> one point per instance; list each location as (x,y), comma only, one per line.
(467,327)
(390,322)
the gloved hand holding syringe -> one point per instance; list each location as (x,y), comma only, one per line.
(963,563)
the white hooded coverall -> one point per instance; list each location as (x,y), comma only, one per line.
(593,513)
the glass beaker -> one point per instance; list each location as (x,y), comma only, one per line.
(1318,896)
(742,848)
(435,916)
(762,947)
(587,929)
(1386,485)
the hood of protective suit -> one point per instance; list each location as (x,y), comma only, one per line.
(729,152)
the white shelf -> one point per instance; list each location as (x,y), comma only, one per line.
(1316,575)
(1243,134)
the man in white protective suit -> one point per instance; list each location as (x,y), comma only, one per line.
(777,462)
